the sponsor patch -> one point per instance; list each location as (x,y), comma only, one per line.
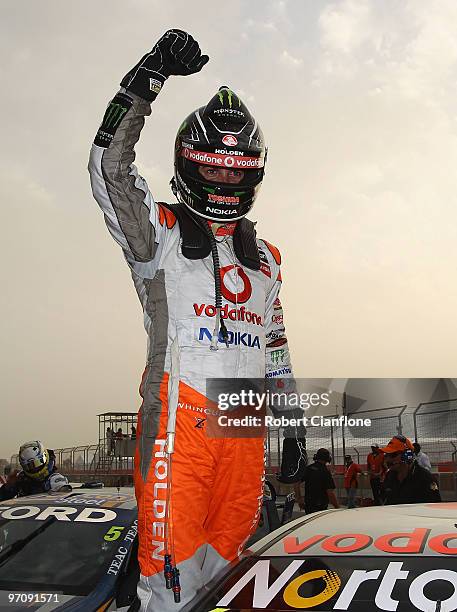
(277,356)
(212,197)
(237,162)
(277,373)
(236,338)
(155,85)
(277,342)
(116,111)
(230,140)
(242,296)
(275,334)
(221,211)
(240,314)
(264,265)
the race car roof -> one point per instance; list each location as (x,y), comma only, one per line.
(377,531)
(109,497)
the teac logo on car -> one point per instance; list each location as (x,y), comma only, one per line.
(265,590)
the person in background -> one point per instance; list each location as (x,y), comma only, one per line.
(119,434)
(406,481)
(376,471)
(133,434)
(39,473)
(421,457)
(110,440)
(6,473)
(319,483)
(350,480)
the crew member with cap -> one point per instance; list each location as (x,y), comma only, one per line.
(319,483)
(39,473)
(376,471)
(406,481)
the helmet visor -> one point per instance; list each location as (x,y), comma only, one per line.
(223,160)
(216,173)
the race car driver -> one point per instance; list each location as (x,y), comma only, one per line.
(39,473)
(406,481)
(209,290)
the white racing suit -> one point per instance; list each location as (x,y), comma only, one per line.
(217,484)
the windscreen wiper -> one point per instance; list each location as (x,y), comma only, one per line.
(15,547)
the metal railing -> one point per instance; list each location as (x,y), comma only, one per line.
(432,424)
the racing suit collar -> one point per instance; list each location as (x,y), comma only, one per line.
(222,229)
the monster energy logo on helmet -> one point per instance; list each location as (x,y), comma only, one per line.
(230,96)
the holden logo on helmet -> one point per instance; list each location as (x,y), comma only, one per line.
(230,140)
(244,294)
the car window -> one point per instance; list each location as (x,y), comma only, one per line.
(67,556)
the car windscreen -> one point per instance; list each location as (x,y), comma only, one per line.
(352,583)
(67,554)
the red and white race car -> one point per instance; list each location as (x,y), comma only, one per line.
(396,558)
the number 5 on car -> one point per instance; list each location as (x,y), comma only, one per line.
(113,533)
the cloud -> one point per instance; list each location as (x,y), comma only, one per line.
(290,60)
(405,49)
(345,26)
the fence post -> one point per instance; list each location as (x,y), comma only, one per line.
(415,422)
(400,424)
(279,450)
(332,441)
(343,436)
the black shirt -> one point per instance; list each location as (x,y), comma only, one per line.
(317,481)
(419,486)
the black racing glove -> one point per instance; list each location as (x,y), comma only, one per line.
(176,53)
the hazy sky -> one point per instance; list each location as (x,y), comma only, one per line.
(357,99)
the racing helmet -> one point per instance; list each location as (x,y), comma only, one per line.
(35,460)
(58,483)
(222,134)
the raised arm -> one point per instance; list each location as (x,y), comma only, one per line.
(131,215)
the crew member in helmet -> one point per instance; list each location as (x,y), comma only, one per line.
(407,482)
(38,475)
(209,290)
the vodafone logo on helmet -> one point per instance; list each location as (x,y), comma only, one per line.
(246,292)
(230,140)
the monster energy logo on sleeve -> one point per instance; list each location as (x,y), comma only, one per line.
(116,111)
(113,115)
